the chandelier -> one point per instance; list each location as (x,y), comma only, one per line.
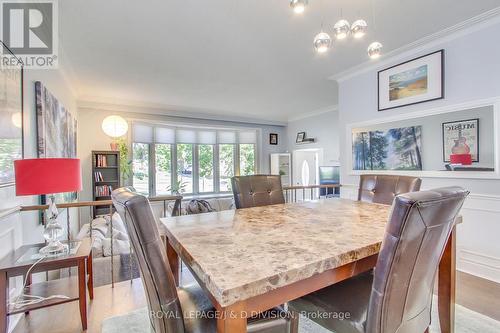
(342,29)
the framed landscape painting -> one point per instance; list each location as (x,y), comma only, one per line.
(393,149)
(415,81)
(11,117)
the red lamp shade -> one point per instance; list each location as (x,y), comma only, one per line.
(47,176)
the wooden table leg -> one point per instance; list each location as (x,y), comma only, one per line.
(4,319)
(233,319)
(446,286)
(90,273)
(82,293)
(173,260)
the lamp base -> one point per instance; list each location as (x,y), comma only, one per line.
(55,247)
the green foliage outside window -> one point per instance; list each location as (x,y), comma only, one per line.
(247,159)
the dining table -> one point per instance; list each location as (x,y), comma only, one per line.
(254,259)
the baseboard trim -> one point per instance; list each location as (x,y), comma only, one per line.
(478,264)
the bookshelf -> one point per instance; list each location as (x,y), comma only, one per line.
(105,177)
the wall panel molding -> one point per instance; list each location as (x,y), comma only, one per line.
(477,253)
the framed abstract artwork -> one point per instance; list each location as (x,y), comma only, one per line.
(415,81)
(11,117)
(56,131)
(461,137)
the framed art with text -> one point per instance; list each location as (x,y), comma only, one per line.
(415,81)
(461,137)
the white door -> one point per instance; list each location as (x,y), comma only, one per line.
(306,167)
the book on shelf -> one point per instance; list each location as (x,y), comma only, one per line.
(98,176)
(103,190)
(101,161)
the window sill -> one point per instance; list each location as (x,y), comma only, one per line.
(208,196)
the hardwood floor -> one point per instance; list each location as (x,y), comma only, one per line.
(65,318)
(472,292)
(479,295)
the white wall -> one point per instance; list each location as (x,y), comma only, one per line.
(472,68)
(323,127)
(23,228)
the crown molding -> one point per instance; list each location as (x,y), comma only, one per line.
(466,27)
(330,108)
(172,111)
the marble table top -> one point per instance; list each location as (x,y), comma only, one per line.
(243,253)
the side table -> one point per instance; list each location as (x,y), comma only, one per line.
(18,262)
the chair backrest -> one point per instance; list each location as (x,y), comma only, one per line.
(416,236)
(257,190)
(164,307)
(383,189)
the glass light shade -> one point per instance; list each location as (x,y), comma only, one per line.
(298,6)
(359,28)
(322,42)
(374,50)
(341,29)
(114,126)
(17,119)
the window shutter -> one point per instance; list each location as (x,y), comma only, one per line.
(226,137)
(207,137)
(248,137)
(142,133)
(185,136)
(164,135)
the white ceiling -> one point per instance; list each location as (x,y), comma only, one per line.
(231,57)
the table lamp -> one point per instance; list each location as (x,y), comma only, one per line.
(49,176)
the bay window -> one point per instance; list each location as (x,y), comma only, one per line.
(163,159)
(226,166)
(247,159)
(184,168)
(206,168)
(140,165)
(190,160)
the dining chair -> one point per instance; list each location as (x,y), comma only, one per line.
(257,190)
(171,309)
(383,189)
(397,295)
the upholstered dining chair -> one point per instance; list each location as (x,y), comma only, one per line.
(257,190)
(383,189)
(397,296)
(172,309)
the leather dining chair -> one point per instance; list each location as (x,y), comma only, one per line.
(171,309)
(383,189)
(397,295)
(257,190)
